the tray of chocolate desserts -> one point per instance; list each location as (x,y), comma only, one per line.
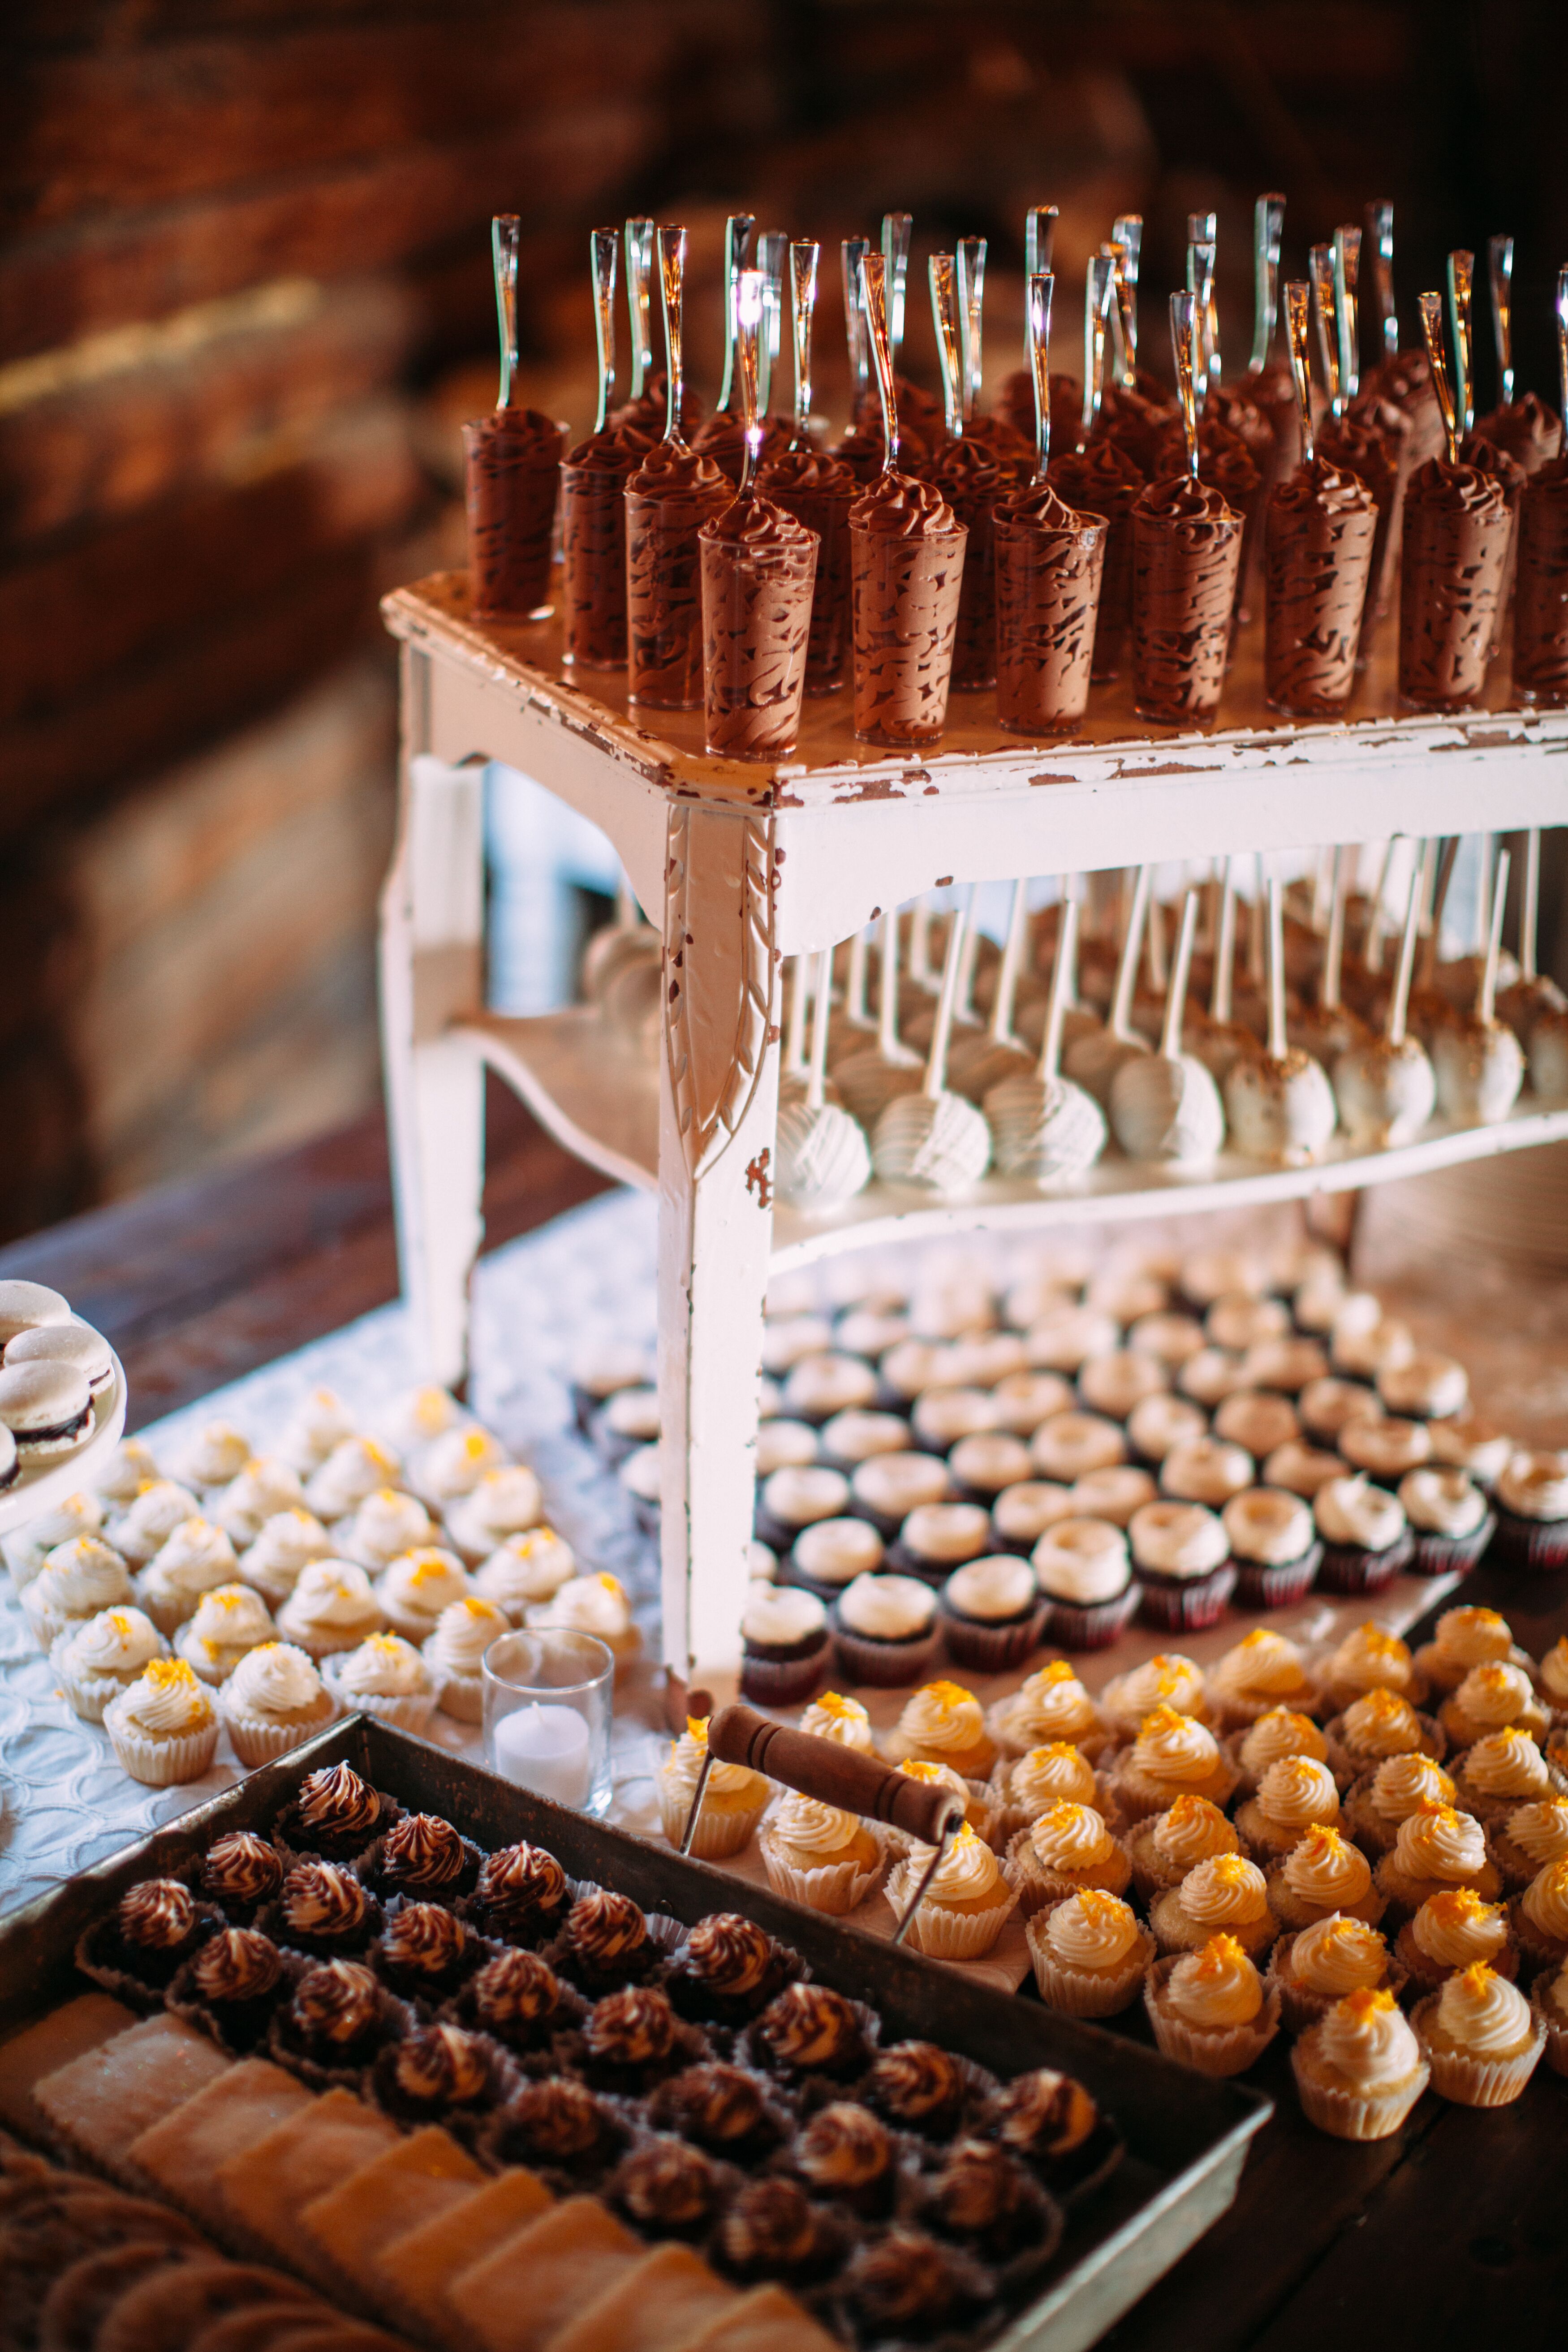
(375,2029)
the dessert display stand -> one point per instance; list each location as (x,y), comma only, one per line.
(742,866)
(35,1491)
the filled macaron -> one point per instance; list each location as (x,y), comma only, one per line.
(47,1408)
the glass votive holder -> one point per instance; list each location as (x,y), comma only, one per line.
(548,1698)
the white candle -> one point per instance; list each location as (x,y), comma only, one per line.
(546,1749)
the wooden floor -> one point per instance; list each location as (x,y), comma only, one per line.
(1452,2233)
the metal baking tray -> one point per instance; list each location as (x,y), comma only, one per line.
(1187,2138)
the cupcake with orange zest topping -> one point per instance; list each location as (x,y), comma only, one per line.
(943,1723)
(417,1585)
(843,1720)
(163,1727)
(1451,1931)
(1317,1966)
(1048,1704)
(1291,1796)
(819,1856)
(1322,1873)
(1539,1917)
(1464,1638)
(1526,1839)
(454,1655)
(1435,1847)
(1481,2038)
(1503,1769)
(1024,1786)
(734,1798)
(1378,1725)
(1262,1671)
(1369,1658)
(1226,1896)
(1360,2070)
(1549,1999)
(1380,1800)
(979,1810)
(1068,1849)
(1167,1679)
(1491,1699)
(1210,2008)
(1174,1755)
(1164,1847)
(597,1605)
(1089,1954)
(1281,1732)
(965,1907)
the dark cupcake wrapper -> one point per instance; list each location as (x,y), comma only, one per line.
(811,2283)
(329,2066)
(140,1979)
(886,1665)
(426,1994)
(1350,1568)
(1091,1624)
(570,2055)
(990,1648)
(529,1935)
(352,1946)
(374,1875)
(885,1524)
(1275,1586)
(702,2004)
(976,2285)
(776,1677)
(792,1573)
(1017,2256)
(239,2028)
(466,2121)
(1183,1604)
(1074,2179)
(1438,1555)
(296,1843)
(1538,1545)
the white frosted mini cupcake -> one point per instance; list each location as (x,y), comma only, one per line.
(78,1579)
(1089,1954)
(99,1657)
(263,1488)
(503,1502)
(27,1548)
(129,1468)
(317,1422)
(733,1797)
(332,1607)
(965,1907)
(464,1632)
(1210,2008)
(384,1525)
(418,1417)
(1481,2037)
(1021,1515)
(386,1677)
(1320,1965)
(596,1605)
(274,1699)
(196,1558)
(1359,2070)
(213,1458)
(1169,1678)
(147,1523)
(355,1467)
(288,1543)
(885,1629)
(1049,1704)
(417,1587)
(229,1622)
(526,1570)
(1084,1571)
(454,1464)
(1262,1671)
(843,1720)
(1113,1494)
(820,1856)
(163,1727)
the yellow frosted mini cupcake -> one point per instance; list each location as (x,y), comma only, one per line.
(1503,1771)
(332,1607)
(1051,1703)
(819,1856)
(1436,1846)
(1291,1796)
(1174,1755)
(596,1605)
(464,1632)
(943,1724)
(1164,1846)
(1263,1671)
(526,1572)
(100,1656)
(1369,1658)
(1464,1638)
(843,1720)
(79,1579)
(1322,1875)
(1481,2038)
(1360,2070)
(966,1905)
(1210,2008)
(1490,1698)
(1226,1896)
(230,1620)
(1540,1916)
(1282,1731)
(417,1586)
(1024,1787)
(274,1699)
(1089,1954)
(978,1810)
(163,1729)
(1317,1966)
(1167,1679)
(1553,1675)
(1527,1839)
(733,1801)
(1452,1931)
(386,1677)
(1068,1849)
(1380,1800)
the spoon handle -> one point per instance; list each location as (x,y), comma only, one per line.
(1039,249)
(851,253)
(603,244)
(971,304)
(639,282)
(506,230)
(873,296)
(897,230)
(672,281)
(1183,336)
(942,271)
(1461,293)
(1268,236)
(804,257)
(1297,303)
(737,237)
(1380,241)
(1099,286)
(1438,360)
(1041,287)
(1347,277)
(1321,269)
(1128,233)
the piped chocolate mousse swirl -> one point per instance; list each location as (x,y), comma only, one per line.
(1224,464)
(1016,409)
(1045,2115)
(723,440)
(908,549)
(241,1871)
(775,2230)
(1458,527)
(513,473)
(1049,565)
(322,1902)
(522,1891)
(649,413)
(972,477)
(159,1916)
(728,1954)
(1138,420)
(719,2105)
(916,2085)
(1541,593)
(335,1813)
(606,1937)
(1102,479)
(863,452)
(439,2066)
(594,544)
(635,2027)
(810,2029)
(423,1852)
(1322,523)
(759,569)
(516,1993)
(671,494)
(819,492)
(1526,430)
(558,2123)
(667,2188)
(422,1943)
(1407,381)
(335,2005)
(1186,550)
(238,1965)
(1496,463)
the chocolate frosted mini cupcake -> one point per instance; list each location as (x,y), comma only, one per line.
(604,1944)
(231,1987)
(334,1815)
(918,2087)
(439,2073)
(337,2018)
(885,1629)
(848,2155)
(775,2230)
(728,1968)
(520,1895)
(136,1952)
(1180,1560)
(980,2196)
(632,2038)
(424,1952)
(240,1872)
(668,2188)
(905,2284)
(425,1858)
(518,2000)
(566,2133)
(322,1909)
(1051,2123)
(809,2034)
(786,1647)
(728,2110)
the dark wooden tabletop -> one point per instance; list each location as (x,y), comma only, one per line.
(1456,2232)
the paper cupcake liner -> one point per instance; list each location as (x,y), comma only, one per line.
(1091,1625)
(168,1615)
(1354,2114)
(786,1682)
(886,1665)
(1469,2081)
(1008,1818)
(48,1625)
(256,1740)
(1175,1933)
(1150,1878)
(1259,1586)
(1556,2029)
(836,1887)
(165,1763)
(86,1695)
(1516,1866)
(719,1834)
(1539,1545)
(899,1560)
(945,1935)
(1230,2051)
(1350,1568)
(1038,1889)
(1438,1555)
(327,2068)
(1184,1605)
(1299,2006)
(1083,1993)
(410,1711)
(991,1649)
(461,1697)
(1406,1895)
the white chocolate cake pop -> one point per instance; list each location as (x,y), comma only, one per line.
(1534,993)
(1093,1061)
(823,1158)
(1549,1056)
(1043,1126)
(870,1079)
(1330,1028)
(981,1060)
(1279,1104)
(1385,1086)
(933,1139)
(1165,1106)
(1478,1061)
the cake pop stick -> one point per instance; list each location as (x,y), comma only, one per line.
(1093,1060)
(822,1157)
(1165,1105)
(1478,1061)
(1332,1028)
(1220,1039)
(919,1028)
(1534,993)
(871,1078)
(934,1139)
(792,1073)
(1385,1085)
(1279,1104)
(1043,1126)
(851,1027)
(980,1061)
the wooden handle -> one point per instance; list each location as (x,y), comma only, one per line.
(833,1775)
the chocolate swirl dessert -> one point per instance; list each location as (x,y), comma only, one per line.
(723,440)
(231,1986)
(513,471)
(920,410)
(917,2086)
(1186,552)
(521,2000)
(1102,479)
(1052,2123)
(671,494)
(434,2070)
(904,2283)
(138,1950)
(632,2037)
(1321,530)
(422,1854)
(1458,528)
(241,1872)
(604,1942)
(759,569)
(1227,465)
(810,2029)
(723,2108)
(337,2018)
(668,2190)
(1541,591)
(984,2198)
(649,413)
(1377,452)
(323,1908)
(1050,563)
(593,545)
(1407,381)
(1138,418)
(863,452)
(562,2129)
(423,1951)
(1526,430)
(908,553)
(1016,409)
(335,1814)
(521,1894)
(775,2230)
(849,2158)
(971,475)
(819,492)
(728,1968)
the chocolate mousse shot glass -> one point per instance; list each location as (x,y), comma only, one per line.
(1100,479)
(1321,528)
(1541,589)
(1050,563)
(511,462)
(1186,558)
(811,485)
(1457,530)
(593,545)
(907,550)
(759,567)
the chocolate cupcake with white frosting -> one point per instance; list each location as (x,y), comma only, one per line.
(1386,1450)
(1257,1420)
(1236,1321)
(850,1438)
(1207,1471)
(797,1496)
(1366,1537)
(1331,1404)
(1020,1515)
(829,1382)
(1303,1470)
(1531,1498)
(941,1417)
(992,1612)
(1275,1545)
(830,1554)
(1024,1399)
(1284,1364)
(1210,1376)
(1161,1422)
(1426,1387)
(1116,1382)
(1182,1560)
(1071,1444)
(986,1464)
(889,1486)
(1114,1493)
(786,1647)
(937,1537)
(1470,1442)
(885,1629)
(1450,1520)
(1083,1568)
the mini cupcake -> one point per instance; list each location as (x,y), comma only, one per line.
(937,1537)
(1022,1787)
(26,1547)
(941,1417)
(1369,1658)
(1114,1384)
(1260,1672)
(525,1571)
(1549,1999)
(830,1555)
(597,1605)
(1539,1917)
(355,1467)
(979,1810)
(1275,1546)
(212,1457)
(196,1558)
(337,2020)
(1303,1470)
(626,1421)
(424,1858)
(984,1466)
(1449,1518)
(843,1720)
(164,1728)
(138,1950)
(819,1856)
(1361,1345)
(965,1905)
(808,2033)
(1320,1965)
(417,1587)
(1360,2070)
(1163,1847)
(1322,1875)
(418,1417)
(1239,1319)
(1451,1931)
(1049,1704)
(1481,2037)
(241,1872)
(518,2000)
(562,2130)
(1112,1495)
(382,1527)
(1553,1677)
(521,1897)
(334,1815)
(886,1488)
(77,1580)
(1207,1470)
(330,1608)
(1083,1568)
(230,1620)
(641,1479)
(1470,1442)
(1366,1538)
(1463,1638)
(992,1613)
(1090,1955)
(786,1646)
(1504,1769)
(774,2231)
(96,1658)
(1225,1895)
(1435,1848)
(797,1496)
(1425,1387)
(424,1952)
(943,1723)
(454,1652)
(728,1968)
(885,1631)
(1071,1444)
(384,1677)
(918,2087)
(828,1381)
(848,1439)
(1051,2123)
(1327,1406)
(1024,1399)
(1063,1337)
(287,1543)
(1291,1796)
(1256,1421)
(733,1799)
(1210,2008)
(231,1987)
(1167,1679)
(1168,1334)
(263,1488)
(1282,1731)
(274,1699)
(1161,1424)
(147,1523)
(503,1502)
(1211,1375)
(1385,1451)
(1067,1848)
(1376,1726)
(317,1422)
(1181,1559)
(1174,1755)
(1491,1699)
(1526,1839)
(440,2073)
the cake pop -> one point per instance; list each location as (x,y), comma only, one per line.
(979,1061)
(1549,1055)
(1165,1105)
(823,1158)
(1279,1104)
(933,1139)
(1385,1085)
(1043,1126)
(1478,1061)
(1457,978)
(1533,993)
(1332,1029)
(1220,1040)
(870,1079)
(1093,1061)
